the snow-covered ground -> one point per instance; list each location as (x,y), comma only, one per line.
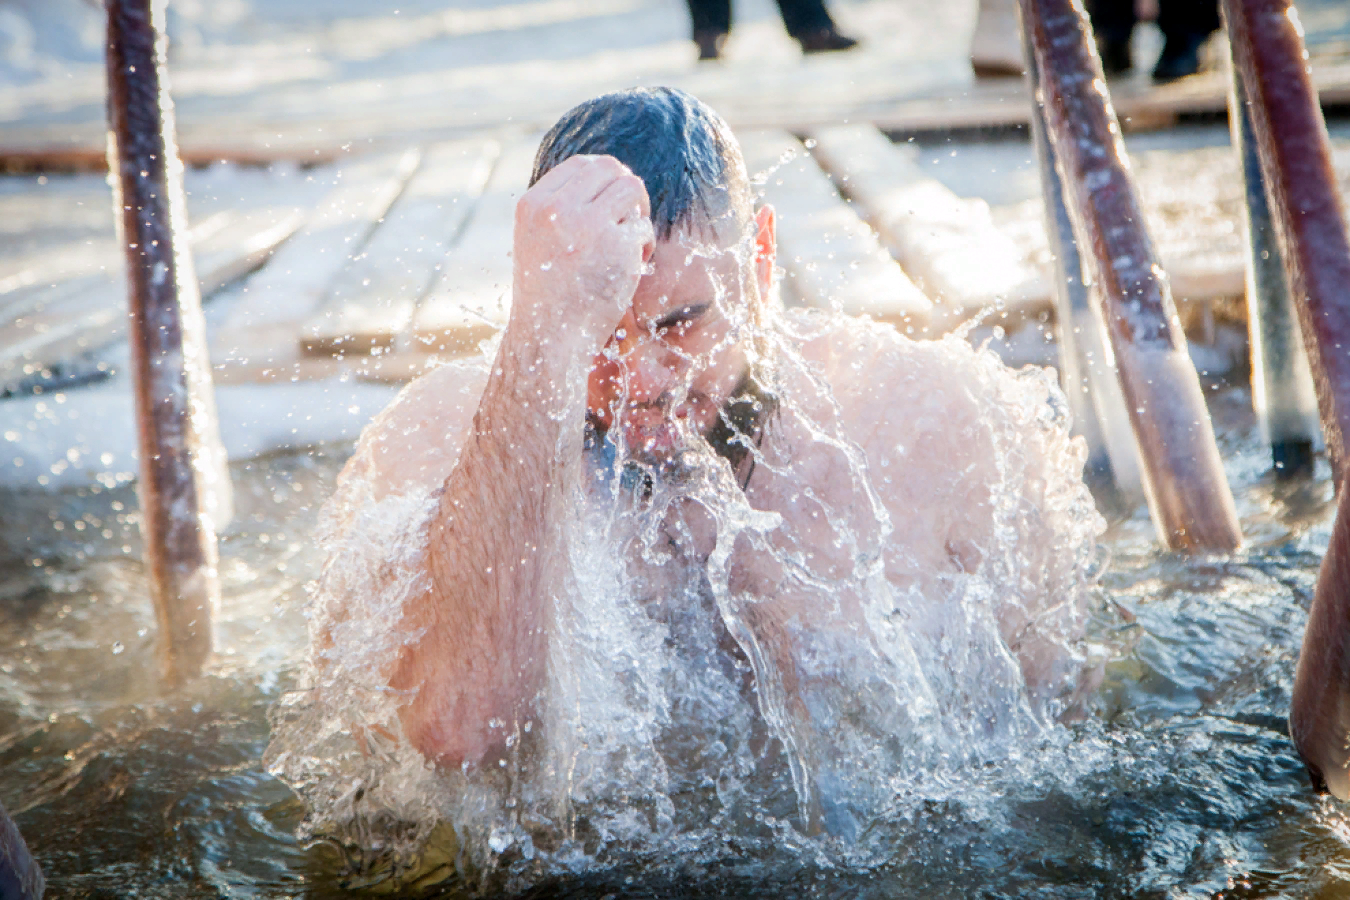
(394,67)
(88,435)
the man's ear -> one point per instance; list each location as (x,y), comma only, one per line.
(766,248)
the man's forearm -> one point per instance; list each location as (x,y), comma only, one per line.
(494,554)
(493,559)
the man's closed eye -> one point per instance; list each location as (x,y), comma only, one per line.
(679,319)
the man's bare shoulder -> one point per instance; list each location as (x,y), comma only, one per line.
(414,442)
(939,420)
(874,370)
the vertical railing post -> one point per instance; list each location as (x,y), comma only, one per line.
(1112,467)
(1282,388)
(177,437)
(1183,474)
(1305,206)
(20,876)
(1303,193)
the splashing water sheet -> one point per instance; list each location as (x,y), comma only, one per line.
(896,664)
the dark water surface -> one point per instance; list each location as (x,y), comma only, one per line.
(1181,783)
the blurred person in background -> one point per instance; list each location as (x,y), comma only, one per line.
(1185,25)
(996,46)
(808,21)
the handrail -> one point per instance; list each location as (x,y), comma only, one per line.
(1305,200)
(1305,203)
(1086,369)
(175,411)
(1183,476)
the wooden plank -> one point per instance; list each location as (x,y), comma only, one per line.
(1139,103)
(296,280)
(832,257)
(53,230)
(237,133)
(74,270)
(949,245)
(57,235)
(69,285)
(287,364)
(472,297)
(373,300)
(81,147)
(76,255)
(92,313)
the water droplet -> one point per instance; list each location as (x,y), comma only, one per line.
(117,648)
(544,267)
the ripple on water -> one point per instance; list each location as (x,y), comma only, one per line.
(1181,780)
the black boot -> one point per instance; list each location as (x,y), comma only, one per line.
(825,40)
(1180,57)
(710,44)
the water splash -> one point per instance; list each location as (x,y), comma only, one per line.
(897,599)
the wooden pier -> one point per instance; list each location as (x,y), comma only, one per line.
(359,225)
(379,265)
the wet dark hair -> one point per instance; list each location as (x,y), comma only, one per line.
(683,152)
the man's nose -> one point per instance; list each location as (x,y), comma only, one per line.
(650,369)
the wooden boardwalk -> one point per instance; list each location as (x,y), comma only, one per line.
(363,227)
(387,263)
(310,82)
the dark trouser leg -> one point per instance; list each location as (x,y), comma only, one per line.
(1112,20)
(804,16)
(1178,18)
(1185,24)
(710,16)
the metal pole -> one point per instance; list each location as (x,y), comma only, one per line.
(20,875)
(1319,713)
(1282,387)
(1303,193)
(170,371)
(1086,368)
(1305,205)
(1183,479)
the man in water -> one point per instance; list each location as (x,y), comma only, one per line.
(844,525)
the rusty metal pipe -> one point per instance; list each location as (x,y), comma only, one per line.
(1305,204)
(170,373)
(1089,379)
(21,877)
(1305,200)
(1319,714)
(1183,476)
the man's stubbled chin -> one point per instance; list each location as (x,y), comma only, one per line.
(654,435)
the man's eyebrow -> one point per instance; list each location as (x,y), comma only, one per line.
(683,314)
